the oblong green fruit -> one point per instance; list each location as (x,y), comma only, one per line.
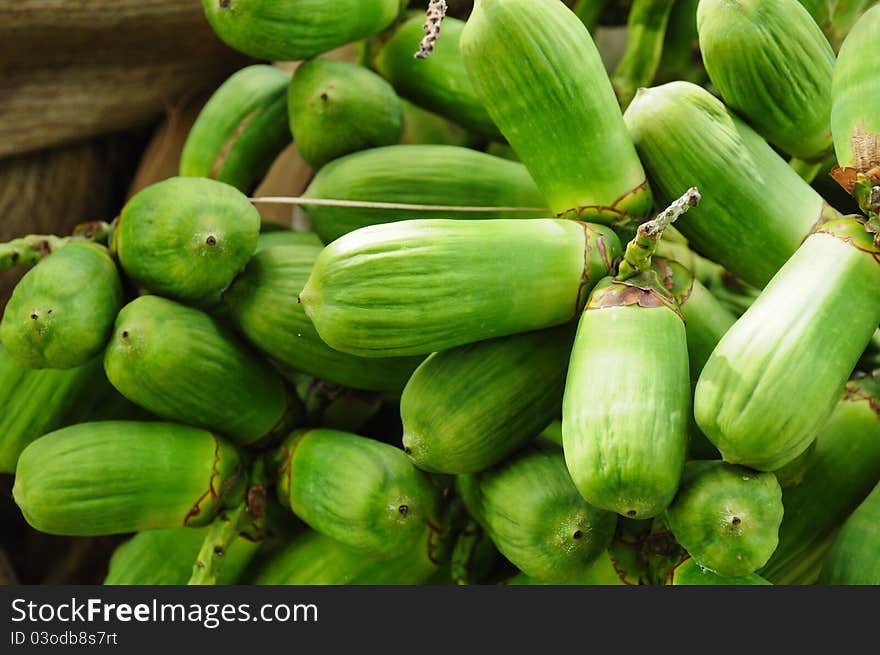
(855,119)
(763,394)
(38,401)
(290,30)
(113,477)
(542,81)
(852,559)
(843,469)
(627,399)
(749,223)
(727,517)
(337,107)
(262,303)
(467,408)
(186,237)
(312,558)
(689,573)
(439,83)
(362,492)
(166,557)
(183,365)
(529,507)
(754,48)
(241,129)
(421,175)
(61,312)
(417,287)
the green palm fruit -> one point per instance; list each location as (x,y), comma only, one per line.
(855,120)
(291,30)
(417,287)
(543,83)
(439,83)
(423,175)
(186,237)
(61,312)
(535,516)
(113,477)
(706,320)
(362,492)
(166,557)
(467,408)
(843,469)
(763,394)
(287,238)
(37,401)
(852,559)
(421,126)
(749,223)
(183,365)
(336,107)
(845,17)
(754,48)
(727,517)
(600,572)
(241,129)
(627,398)
(689,573)
(262,304)
(312,558)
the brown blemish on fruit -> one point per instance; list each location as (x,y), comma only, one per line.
(631,513)
(736,520)
(224,4)
(211,240)
(620,217)
(223,155)
(211,492)
(257,501)
(403,509)
(577,535)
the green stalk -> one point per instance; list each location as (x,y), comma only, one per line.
(646,28)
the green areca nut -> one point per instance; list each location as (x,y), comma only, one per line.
(627,401)
(535,516)
(542,81)
(262,303)
(421,286)
(749,223)
(292,30)
(763,394)
(241,129)
(421,175)
(336,107)
(186,237)
(362,492)
(114,477)
(183,365)
(439,83)
(727,517)
(61,312)
(754,48)
(852,559)
(467,408)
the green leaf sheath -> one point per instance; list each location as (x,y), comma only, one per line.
(165,557)
(422,175)
(646,28)
(753,49)
(291,30)
(241,129)
(755,210)
(843,470)
(535,515)
(417,287)
(852,559)
(263,303)
(467,408)
(763,394)
(336,107)
(727,517)
(439,83)
(542,80)
(183,365)
(186,238)
(627,401)
(362,492)
(114,477)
